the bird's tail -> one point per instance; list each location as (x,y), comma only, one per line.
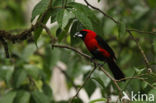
(118,74)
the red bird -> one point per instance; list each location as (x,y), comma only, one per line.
(100,50)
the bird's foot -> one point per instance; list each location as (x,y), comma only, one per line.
(100,65)
(92,59)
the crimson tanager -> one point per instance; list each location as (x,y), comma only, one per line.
(100,50)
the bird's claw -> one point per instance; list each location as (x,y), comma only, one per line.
(92,59)
(100,65)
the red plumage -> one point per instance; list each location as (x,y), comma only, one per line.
(100,50)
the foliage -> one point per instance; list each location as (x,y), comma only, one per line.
(25,77)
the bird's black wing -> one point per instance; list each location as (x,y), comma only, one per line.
(105,46)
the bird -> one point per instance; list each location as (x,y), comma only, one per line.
(100,50)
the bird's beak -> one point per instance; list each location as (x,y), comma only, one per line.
(78,34)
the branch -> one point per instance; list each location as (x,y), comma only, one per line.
(139,31)
(142,52)
(129,31)
(101,11)
(4,35)
(86,80)
(73,49)
(53,39)
(93,61)
(114,81)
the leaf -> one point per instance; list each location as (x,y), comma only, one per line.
(22,97)
(98,100)
(19,76)
(39,29)
(109,26)
(99,0)
(39,97)
(8,97)
(152,3)
(100,82)
(57,3)
(61,33)
(63,17)
(28,51)
(121,29)
(139,71)
(39,8)
(139,11)
(47,90)
(50,59)
(37,33)
(81,14)
(53,14)
(76,27)
(90,87)
(59,17)
(6,73)
(32,70)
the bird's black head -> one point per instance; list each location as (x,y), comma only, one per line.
(82,34)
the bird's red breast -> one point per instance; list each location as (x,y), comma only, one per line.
(92,44)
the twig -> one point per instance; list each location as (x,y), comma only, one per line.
(144,32)
(101,12)
(138,77)
(53,39)
(129,31)
(114,81)
(93,61)
(142,52)
(87,78)
(73,49)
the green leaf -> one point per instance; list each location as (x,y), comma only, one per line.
(139,71)
(61,33)
(37,33)
(98,100)
(109,26)
(47,90)
(81,14)
(76,27)
(28,51)
(8,97)
(6,73)
(57,3)
(90,87)
(99,0)
(59,17)
(39,29)
(121,29)
(22,97)
(32,70)
(100,82)
(50,59)
(152,3)
(63,17)
(19,76)
(39,8)
(53,14)
(39,97)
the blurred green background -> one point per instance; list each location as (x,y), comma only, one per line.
(27,77)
